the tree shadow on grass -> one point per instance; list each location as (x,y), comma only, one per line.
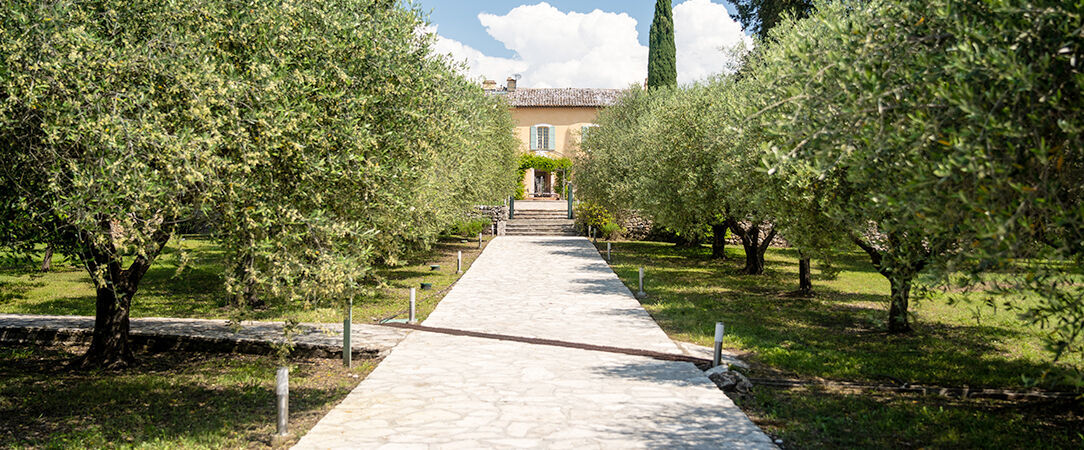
(186,399)
(192,283)
(830,337)
(836,334)
(825,419)
(10,292)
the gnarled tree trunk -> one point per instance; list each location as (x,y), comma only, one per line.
(115,288)
(898,322)
(718,241)
(805,277)
(47,260)
(753,245)
(899,279)
(109,345)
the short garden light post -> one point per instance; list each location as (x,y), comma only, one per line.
(479,240)
(718,357)
(282,394)
(347,349)
(511,208)
(609,257)
(641,294)
(413,305)
(568,194)
(459,262)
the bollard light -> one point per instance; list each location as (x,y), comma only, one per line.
(641,294)
(413,304)
(347,348)
(609,257)
(480,240)
(282,392)
(718,358)
(459,262)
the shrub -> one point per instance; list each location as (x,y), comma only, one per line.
(590,214)
(469,227)
(610,231)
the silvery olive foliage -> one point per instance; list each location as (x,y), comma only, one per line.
(943,138)
(948,131)
(320,136)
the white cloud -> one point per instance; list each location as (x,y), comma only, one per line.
(478,64)
(596,49)
(703,31)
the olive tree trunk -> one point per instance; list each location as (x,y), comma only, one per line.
(109,345)
(753,245)
(899,278)
(47,260)
(718,241)
(805,277)
(115,287)
(898,321)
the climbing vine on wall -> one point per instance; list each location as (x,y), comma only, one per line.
(561,166)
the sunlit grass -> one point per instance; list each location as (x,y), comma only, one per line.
(840,334)
(172,400)
(197,291)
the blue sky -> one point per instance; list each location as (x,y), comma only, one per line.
(568,43)
(458,19)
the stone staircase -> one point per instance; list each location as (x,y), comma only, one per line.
(529,222)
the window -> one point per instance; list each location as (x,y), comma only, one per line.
(586,129)
(543,141)
(543,137)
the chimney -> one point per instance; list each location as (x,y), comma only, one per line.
(489,85)
(511,84)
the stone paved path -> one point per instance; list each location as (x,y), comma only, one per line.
(368,340)
(440,391)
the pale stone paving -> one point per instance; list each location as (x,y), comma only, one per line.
(440,391)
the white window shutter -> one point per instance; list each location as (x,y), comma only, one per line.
(534,138)
(553,138)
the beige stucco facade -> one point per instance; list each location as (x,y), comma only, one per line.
(568,123)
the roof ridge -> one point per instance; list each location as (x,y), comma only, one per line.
(565,96)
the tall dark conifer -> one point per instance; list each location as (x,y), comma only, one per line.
(662,53)
(759,16)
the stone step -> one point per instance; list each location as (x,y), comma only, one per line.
(540,227)
(534,233)
(520,215)
(541,222)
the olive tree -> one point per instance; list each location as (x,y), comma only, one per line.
(940,136)
(313,131)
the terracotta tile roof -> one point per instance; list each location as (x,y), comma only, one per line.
(559,97)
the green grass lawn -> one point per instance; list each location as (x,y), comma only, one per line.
(183,400)
(197,291)
(173,400)
(840,335)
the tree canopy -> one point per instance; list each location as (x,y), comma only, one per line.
(942,138)
(319,135)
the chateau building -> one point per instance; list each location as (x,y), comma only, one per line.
(551,123)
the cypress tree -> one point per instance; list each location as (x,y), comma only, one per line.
(662,53)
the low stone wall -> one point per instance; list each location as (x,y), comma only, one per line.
(637,228)
(159,335)
(166,343)
(497,215)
